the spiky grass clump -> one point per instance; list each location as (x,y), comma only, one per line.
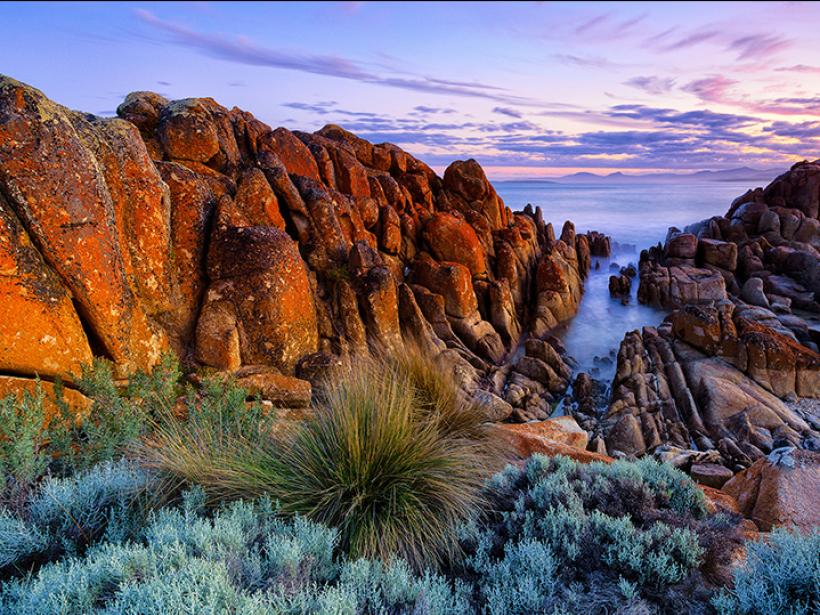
(393,456)
(205,440)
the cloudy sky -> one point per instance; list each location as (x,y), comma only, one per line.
(528,89)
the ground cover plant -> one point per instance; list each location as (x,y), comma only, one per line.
(392,455)
(203,502)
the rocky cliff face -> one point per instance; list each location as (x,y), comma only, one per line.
(266,253)
(718,379)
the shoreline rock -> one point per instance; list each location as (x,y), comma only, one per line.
(186,226)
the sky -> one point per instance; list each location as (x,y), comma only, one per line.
(530,89)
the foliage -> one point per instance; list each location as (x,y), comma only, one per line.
(23,440)
(392,455)
(62,516)
(205,445)
(245,558)
(35,442)
(569,537)
(119,416)
(781,577)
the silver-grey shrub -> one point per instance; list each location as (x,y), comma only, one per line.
(781,577)
(64,515)
(244,558)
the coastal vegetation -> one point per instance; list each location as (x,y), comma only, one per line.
(383,500)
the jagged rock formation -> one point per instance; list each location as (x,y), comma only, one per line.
(266,253)
(666,392)
(712,379)
(765,252)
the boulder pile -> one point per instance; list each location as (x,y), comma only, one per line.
(266,253)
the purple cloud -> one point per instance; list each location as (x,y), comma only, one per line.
(696,38)
(711,89)
(799,68)
(508,112)
(651,84)
(799,130)
(576,60)
(244,51)
(755,46)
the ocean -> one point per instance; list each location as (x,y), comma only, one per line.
(637,214)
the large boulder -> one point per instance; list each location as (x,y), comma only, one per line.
(780,490)
(467,189)
(453,239)
(71,182)
(40,331)
(259,300)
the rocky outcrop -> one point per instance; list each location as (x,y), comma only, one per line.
(667,393)
(764,252)
(265,253)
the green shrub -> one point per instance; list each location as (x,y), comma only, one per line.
(24,455)
(119,416)
(781,577)
(207,445)
(33,444)
(564,536)
(244,559)
(392,456)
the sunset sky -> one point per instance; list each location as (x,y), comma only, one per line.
(529,89)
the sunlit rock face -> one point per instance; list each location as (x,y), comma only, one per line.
(184,225)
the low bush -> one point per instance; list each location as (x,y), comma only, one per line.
(392,455)
(63,516)
(564,536)
(245,558)
(781,577)
(203,442)
(35,443)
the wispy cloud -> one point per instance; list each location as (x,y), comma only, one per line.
(690,40)
(580,60)
(651,84)
(799,130)
(799,68)
(711,89)
(756,46)
(508,112)
(244,51)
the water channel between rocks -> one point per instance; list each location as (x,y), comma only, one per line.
(633,214)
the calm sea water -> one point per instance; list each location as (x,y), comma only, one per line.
(631,214)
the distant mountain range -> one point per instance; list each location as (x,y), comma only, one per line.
(728,175)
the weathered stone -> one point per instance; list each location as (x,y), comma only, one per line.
(721,254)
(684,245)
(259,278)
(269,384)
(57,188)
(453,239)
(40,331)
(780,490)
(257,201)
(710,474)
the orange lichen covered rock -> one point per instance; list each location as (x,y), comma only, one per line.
(292,152)
(76,401)
(525,441)
(57,187)
(40,332)
(561,429)
(453,239)
(260,287)
(780,489)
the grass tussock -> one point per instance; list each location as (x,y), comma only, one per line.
(393,456)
